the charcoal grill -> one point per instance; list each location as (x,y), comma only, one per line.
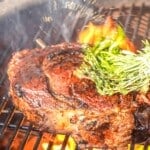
(15,131)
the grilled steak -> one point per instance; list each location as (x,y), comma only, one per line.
(43,86)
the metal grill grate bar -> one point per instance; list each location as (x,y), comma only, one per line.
(147,31)
(50,144)
(38,141)
(137,23)
(28,132)
(65,142)
(7,120)
(16,130)
(128,19)
(2,104)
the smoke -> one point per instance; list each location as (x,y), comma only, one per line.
(15,35)
(19,22)
(53,21)
(68,16)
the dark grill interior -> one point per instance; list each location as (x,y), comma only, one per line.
(15,130)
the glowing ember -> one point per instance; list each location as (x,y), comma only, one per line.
(91,34)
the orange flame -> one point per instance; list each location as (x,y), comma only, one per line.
(92,34)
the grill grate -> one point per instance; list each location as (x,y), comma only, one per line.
(15,131)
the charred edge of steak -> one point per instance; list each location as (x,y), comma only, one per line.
(62,56)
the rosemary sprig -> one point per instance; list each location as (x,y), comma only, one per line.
(114,70)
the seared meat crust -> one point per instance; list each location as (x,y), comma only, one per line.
(43,86)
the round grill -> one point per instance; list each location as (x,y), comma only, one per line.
(15,131)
